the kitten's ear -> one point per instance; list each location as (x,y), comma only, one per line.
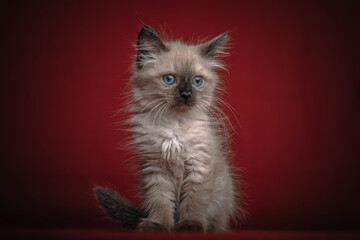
(214,46)
(148,44)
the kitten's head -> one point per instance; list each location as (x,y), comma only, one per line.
(174,76)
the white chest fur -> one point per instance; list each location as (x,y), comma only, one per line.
(171,146)
(174,139)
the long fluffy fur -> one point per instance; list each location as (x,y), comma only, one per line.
(181,146)
(117,207)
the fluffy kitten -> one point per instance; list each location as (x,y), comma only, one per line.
(180,140)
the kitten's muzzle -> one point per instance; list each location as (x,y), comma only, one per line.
(186,95)
(185,90)
(185,98)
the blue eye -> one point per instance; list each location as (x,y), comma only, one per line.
(169,79)
(198,81)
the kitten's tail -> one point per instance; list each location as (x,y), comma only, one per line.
(119,208)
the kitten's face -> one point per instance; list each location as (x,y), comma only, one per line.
(173,76)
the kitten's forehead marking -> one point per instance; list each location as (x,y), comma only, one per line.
(185,59)
(185,77)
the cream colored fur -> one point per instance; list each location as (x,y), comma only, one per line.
(183,161)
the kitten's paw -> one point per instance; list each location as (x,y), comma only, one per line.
(147,225)
(210,228)
(189,225)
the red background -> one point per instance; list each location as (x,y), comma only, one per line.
(293,78)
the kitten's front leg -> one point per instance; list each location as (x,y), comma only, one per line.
(195,196)
(159,201)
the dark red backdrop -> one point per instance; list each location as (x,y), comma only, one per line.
(294,79)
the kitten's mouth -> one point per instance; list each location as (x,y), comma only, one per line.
(182,106)
(184,99)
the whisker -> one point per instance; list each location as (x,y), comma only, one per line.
(158,111)
(149,114)
(163,111)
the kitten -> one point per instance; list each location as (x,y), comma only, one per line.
(180,140)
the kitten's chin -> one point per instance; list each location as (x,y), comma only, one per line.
(183,106)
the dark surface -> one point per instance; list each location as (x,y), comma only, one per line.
(111,234)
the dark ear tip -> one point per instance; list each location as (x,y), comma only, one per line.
(146,31)
(212,47)
(146,28)
(224,36)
